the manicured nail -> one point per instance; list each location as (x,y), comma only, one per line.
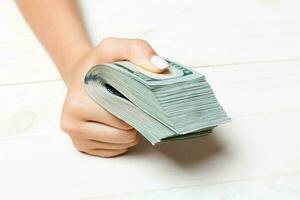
(159,62)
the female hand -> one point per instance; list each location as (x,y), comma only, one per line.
(94,130)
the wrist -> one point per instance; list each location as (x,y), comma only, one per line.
(70,67)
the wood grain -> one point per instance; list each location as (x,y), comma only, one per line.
(197,33)
(260,142)
(249,52)
(251,147)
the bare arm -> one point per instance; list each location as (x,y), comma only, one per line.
(58,25)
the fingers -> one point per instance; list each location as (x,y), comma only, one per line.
(104,133)
(94,112)
(99,139)
(142,54)
(102,149)
(137,51)
(84,108)
(85,144)
(106,153)
(97,131)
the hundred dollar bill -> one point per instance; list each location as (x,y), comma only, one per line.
(176,73)
(177,104)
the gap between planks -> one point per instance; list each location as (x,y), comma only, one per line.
(195,67)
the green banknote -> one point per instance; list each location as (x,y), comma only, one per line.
(177,104)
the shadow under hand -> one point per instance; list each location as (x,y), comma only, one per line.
(184,153)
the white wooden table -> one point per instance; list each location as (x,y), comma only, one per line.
(250,53)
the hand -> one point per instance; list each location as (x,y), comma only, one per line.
(92,129)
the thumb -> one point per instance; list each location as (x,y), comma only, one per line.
(137,51)
(143,55)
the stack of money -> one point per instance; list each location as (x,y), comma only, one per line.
(177,104)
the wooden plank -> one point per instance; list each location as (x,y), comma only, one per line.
(30,109)
(193,32)
(22,58)
(241,89)
(251,147)
(256,88)
(253,157)
(203,32)
(261,141)
(275,187)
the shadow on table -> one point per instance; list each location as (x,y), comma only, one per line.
(185,153)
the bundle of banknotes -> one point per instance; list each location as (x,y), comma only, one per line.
(177,104)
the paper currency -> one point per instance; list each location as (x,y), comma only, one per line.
(177,104)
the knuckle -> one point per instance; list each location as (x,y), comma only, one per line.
(75,105)
(139,44)
(127,127)
(80,147)
(105,42)
(67,126)
(114,153)
(137,140)
(103,154)
(132,144)
(106,155)
(130,136)
(107,39)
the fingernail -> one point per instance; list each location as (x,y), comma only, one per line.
(159,62)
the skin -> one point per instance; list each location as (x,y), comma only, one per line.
(58,26)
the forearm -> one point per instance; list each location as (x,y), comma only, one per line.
(58,26)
